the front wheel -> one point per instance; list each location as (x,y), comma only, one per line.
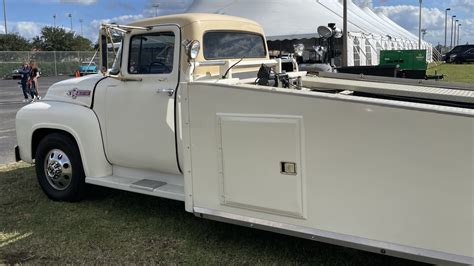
(59,168)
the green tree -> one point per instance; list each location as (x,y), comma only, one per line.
(81,44)
(14,42)
(58,39)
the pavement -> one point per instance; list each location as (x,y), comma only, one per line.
(11,98)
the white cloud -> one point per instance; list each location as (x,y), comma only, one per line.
(125,19)
(78,2)
(27,29)
(433,20)
(466,5)
(364,3)
(167,7)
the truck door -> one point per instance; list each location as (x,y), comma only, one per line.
(139,121)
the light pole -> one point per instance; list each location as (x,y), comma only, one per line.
(419,27)
(70,18)
(455,28)
(459,28)
(80,21)
(5,16)
(423,33)
(54,20)
(156,6)
(452,30)
(446,28)
(344,35)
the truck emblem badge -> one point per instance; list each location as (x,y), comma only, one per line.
(74,93)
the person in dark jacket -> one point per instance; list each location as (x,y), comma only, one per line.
(25,75)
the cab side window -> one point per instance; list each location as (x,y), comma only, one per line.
(151,53)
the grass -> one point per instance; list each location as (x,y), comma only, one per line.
(454,73)
(120,227)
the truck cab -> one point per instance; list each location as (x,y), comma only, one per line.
(127,121)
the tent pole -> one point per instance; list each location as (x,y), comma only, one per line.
(345,52)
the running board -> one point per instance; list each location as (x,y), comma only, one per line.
(142,186)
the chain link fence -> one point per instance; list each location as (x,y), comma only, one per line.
(51,63)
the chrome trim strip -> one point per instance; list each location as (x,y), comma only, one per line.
(380,247)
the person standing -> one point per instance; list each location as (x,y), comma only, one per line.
(34,75)
(25,75)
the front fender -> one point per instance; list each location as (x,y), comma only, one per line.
(79,121)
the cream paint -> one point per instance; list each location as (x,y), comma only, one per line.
(392,172)
(147,140)
(373,168)
(78,121)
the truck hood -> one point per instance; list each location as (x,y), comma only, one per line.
(76,90)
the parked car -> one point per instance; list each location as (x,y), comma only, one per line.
(452,56)
(87,68)
(15,74)
(467,56)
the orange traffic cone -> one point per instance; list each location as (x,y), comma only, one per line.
(78,74)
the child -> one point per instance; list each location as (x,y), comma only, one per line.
(34,75)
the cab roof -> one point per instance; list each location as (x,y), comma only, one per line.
(188,18)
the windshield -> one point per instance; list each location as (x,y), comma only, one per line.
(117,62)
(233,45)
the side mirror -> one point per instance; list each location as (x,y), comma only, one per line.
(103,62)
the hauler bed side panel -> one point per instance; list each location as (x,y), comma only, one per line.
(366,169)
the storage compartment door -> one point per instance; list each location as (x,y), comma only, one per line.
(260,163)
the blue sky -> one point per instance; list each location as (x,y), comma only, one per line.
(27,17)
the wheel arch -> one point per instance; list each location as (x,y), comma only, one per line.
(80,123)
(40,133)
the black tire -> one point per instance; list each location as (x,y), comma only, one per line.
(73,188)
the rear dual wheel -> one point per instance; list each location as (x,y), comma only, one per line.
(59,168)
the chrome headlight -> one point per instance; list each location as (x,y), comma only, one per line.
(194,49)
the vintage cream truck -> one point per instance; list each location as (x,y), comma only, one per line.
(194,110)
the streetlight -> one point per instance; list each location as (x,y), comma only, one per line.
(80,21)
(459,28)
(156,6)
(455,28)
(423,32)
(452,30)
(446,28)
(54,20)
(70,17)
(5,16)
(345,51)
(419,27)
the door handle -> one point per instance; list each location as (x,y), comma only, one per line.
(170,92)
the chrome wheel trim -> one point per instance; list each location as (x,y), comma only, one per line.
(58,169)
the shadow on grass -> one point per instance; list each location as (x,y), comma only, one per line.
(112,226)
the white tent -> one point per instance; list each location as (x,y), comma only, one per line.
(369,32)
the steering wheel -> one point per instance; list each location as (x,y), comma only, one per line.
(167,68)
